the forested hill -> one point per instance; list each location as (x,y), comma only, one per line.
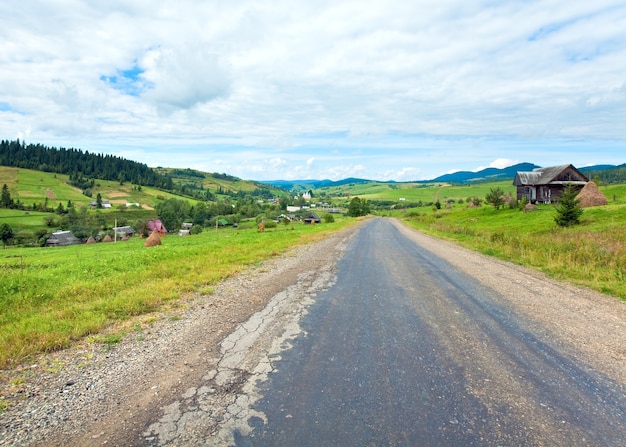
(76,163)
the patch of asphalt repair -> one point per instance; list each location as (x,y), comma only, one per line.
(222,405)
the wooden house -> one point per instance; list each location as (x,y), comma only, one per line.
(124,231)
(545,185)
(62,239)
(312,218)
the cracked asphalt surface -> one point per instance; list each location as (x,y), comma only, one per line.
(395,347)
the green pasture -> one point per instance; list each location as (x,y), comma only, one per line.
(592,254)
(416,192)
(23,220)
(51,297)
(34,187)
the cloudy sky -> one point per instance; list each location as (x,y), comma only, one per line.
(300,89)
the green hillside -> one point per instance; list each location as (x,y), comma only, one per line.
(36,187)
(385,195)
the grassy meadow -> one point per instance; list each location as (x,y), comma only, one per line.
(592,254)
(51,297)
(30,187)
(416,192)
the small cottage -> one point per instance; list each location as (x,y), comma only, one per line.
(62,239)
(312,218)
(124,231)
(545,185)
(157,225)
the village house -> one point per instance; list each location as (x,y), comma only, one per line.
(546,185)
(312,218)
(157,225)
(124,231)
(62,239)
(104,203)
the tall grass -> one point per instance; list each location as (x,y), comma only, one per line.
(592,254)
(51,297)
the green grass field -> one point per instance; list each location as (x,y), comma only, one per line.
(592,254)
(51,297)
(416,192)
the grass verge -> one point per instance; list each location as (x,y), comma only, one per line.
(51,297)
(592,254)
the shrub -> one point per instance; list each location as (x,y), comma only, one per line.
(495,197)
(568,211)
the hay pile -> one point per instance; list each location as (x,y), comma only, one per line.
(153,240)
(529,207)
(91,240)
(107,238)
(591,195)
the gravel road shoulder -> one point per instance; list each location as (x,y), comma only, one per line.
(97,395)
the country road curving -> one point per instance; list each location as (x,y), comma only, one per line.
(375,336)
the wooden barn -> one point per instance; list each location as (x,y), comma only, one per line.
(312,219)
(545,185)
(61,239)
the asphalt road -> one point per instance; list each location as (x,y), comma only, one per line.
(405,350)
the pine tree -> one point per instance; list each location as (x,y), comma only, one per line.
(6,234)
(568,211)
(5,200)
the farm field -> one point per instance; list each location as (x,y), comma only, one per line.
(414,192)
(51,297)
(592,254)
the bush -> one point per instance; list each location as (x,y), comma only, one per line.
(25,237)
(270,224)
(495,197)
(329,218)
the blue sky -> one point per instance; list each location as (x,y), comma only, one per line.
(295,89)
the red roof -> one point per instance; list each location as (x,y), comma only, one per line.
(157,225)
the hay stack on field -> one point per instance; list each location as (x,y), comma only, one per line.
(153,240)
(107,238)
(591,195)
(91,240)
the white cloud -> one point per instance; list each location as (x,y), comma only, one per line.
(502,163)
(438,86)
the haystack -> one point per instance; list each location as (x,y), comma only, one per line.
(591,195)
(153,240)
(107,238)
(91,240)
(529,207)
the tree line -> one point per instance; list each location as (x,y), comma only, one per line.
(79,165)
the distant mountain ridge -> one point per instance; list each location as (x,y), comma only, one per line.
(488,174)
(313,184)
(484,175)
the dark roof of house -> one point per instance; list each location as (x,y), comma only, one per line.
(550,175)
(62,238)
